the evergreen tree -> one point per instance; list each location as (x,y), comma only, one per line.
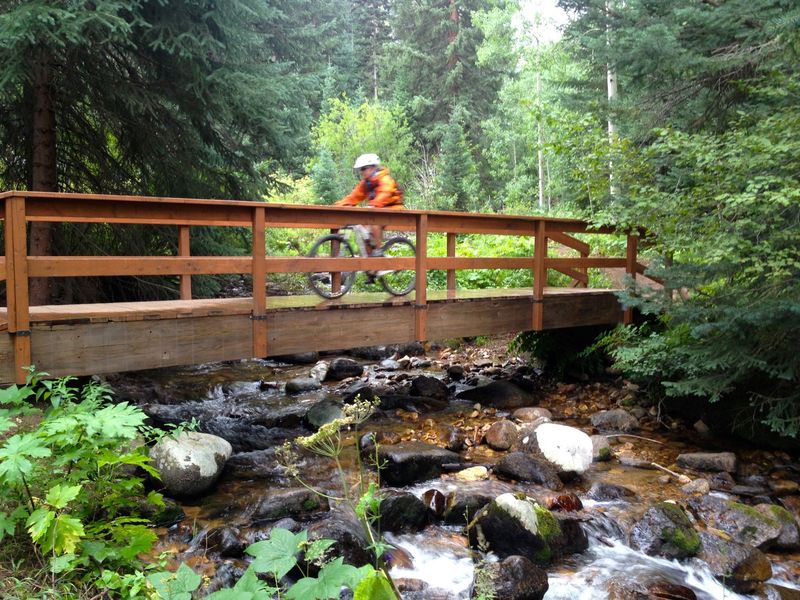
(169,98)
(456,175)
(324,178)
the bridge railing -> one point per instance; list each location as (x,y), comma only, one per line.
(17,267)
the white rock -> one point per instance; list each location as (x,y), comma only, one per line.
(191,463)
(569,448)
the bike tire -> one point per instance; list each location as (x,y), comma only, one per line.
(398,283)
(322,283)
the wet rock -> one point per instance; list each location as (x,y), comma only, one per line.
(516,578)
(342,368)
(500,394)
(257,463)
(350,541)
(501,435)
(628,460)
(388,364)
(323,412)
(300,358)
(564,503)
(779,592)
(190,463)
(408,585)
(696,486)
(478,473)
(429,387)
(616,419)
(166,516)
(665,530)
(302,384)
(604,492)
(739,566)
(630,589)
(359,389)
(665,590)
(523,466)
(519,526)
(244,435)
(570,449)
(454,440)
(462,506)
(410,462)
(455,372)
(532,414)
(435,501)
(601,448)
(225,576)
(402,512)
(280,503)
(319,371)
(783,487)
(708,461)
(224,540)
(789,538)
(745,524)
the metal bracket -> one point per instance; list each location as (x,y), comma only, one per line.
(22,332)
(421,307)
(258,317)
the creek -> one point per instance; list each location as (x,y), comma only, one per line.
(246,400)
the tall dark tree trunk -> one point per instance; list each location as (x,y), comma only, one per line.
(44,174)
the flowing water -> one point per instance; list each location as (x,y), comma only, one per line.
(440,554)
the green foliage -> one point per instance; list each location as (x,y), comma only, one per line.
(345,131)
(69,494)
(456,174)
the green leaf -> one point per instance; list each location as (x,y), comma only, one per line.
(116,421)
(66,533)
(175,586)
(278,554)
(14,455)
(39,522)
(59,564)
(316,549)
(332,577)
(374,586)
(60,495)
(248,587)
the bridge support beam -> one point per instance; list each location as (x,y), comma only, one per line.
(19,326)
(259,315)
(539,275)
(421,291)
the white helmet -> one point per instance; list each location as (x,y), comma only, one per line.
(367,160)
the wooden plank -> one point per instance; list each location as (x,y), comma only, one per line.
(575,310)
(570,242)
(451,252)
(421,289)
(578,276)
(259,284)
(303,264)
(482,317)
(630,268)
(17,286)
(129,346)
(299,331)
(7,366)
(591,262)
(185,250)
(495,262)
(539,274)
(3,273)
(102,266)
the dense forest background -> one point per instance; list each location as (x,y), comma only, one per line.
(680,117)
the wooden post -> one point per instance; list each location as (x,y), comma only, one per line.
(451,252)
(336,276)
(19,325)
(185,249)
(539,275)
(259,283)
(421,292)
(630,269)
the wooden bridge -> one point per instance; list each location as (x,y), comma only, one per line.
(81,339)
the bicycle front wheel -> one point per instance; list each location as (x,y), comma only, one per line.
(336,283)
(398,283)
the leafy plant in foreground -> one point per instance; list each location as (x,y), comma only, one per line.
(70,495)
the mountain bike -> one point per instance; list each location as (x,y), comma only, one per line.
(350,242)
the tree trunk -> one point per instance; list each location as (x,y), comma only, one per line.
(44,174)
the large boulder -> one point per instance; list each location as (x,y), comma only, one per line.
(461,506)
(410,462)
(511,525)
(190,463)
(617,419)
(342,368)
(665,530)
(347,533)
(402,512)
(764,526)
(740,567)
(568,448)
(708,461)
(523,466)
(500,394)
(280,503)
(515,578)
(429,387)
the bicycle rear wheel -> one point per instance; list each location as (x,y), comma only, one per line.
(398,283)
(331,284)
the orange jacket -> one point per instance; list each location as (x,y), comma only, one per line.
(379,189)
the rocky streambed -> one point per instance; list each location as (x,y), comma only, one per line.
(570,490)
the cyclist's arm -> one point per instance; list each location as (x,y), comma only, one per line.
(386,194)
(355,197)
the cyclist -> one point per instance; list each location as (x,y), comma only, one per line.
(378,188)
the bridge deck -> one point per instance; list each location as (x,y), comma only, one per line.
(102,338)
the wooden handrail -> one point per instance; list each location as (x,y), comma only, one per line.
(19,208)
